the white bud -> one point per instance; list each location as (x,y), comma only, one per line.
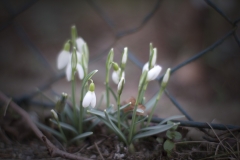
(125,55)
(154,72)
(54,114)
(121,85)
(166,77)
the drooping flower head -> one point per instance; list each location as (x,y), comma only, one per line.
(90,97)
(116,73)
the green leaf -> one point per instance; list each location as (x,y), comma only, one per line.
(141,120)
(83,135)
(46,128)
(69,113)
(153,131)
(114,127)
(89,119)
(122,107)
(177,135)
(170,134)
(101,114)
(65,126)
(109,59)
(168,145)
(89,76)
(171,118)
(151,102)
(114,95)
(94,123)
(100,101)
(153,127)
(175,127)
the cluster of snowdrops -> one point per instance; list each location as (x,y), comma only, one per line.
(129,121)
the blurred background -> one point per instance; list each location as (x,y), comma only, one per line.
(32,34)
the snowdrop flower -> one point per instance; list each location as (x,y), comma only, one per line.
(153,73)
(90,97)
(124,58)
(78,68)
(80,42)
(166,78)
(54,114)
(116,73)
(63,56)
(154,57)
(121,85)
(65,60)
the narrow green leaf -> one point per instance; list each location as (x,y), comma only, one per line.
(89,76)
(153,131)
(89,119)
(101,114)
(94,123)
(151,102)
(46,128)
(65,126)
(113,94)
(171,118)
(83,135)
(100,101)
(142,120)
(176,125)
(69,113)
(153,127)
(117,131)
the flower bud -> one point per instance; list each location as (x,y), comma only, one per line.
(153,73)
(166,78)
(121,85)
(115,66)
(54,114)
(124,58)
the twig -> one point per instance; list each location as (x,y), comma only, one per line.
(53,150)
(98,151)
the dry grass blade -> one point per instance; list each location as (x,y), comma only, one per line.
(95,144)
(220,141)
(53,150)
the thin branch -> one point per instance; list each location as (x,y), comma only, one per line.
(53,150)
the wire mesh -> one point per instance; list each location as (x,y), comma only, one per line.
(117,35)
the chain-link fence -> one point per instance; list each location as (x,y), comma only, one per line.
(119,31)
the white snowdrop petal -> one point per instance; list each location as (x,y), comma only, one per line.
(153,73)
(124,57)
(69,71)
(80,42)
(87,99)
(93,101)
(145,67)
(63,59)
(79,56)
(80,71)
(115,77)
(154,59)
(140,110)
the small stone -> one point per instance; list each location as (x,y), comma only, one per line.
(93,156)
(118,156)
(106,153)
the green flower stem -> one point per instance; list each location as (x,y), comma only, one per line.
(81,111)
(155,104)
(107,87)
(118,112)
(60,128)
(140,90)
(74,100)
(133,122)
